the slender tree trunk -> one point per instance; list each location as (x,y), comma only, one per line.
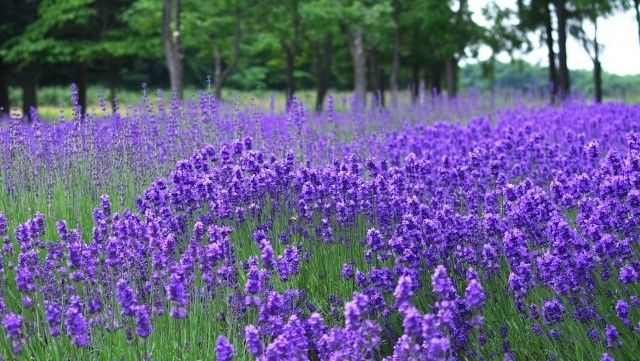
(112,78)
(636,4)
(28,81)
(383,102)
(395,67)
(321,93)
(221,74)
(291,49)
(564,82)
(81,83)
(597,67)
(172,44)
(290,59)
(451,64)
(436,81)
(323,66)
(4,89)
(597,79)
(376,77)
(415,83)
(553,73)
(217,76)
(358,55)
(451,68)
(428,82)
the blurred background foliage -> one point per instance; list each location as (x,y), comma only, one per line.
(265,46)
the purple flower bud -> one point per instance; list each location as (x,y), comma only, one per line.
(224,349)
(442,284)
(143,321)
(404,290)
(606,357)
(253,341)
(438,348)
(76,324)
(552,311)
(347,271)
(611,333)
(13,324)
(622,309)
(474,295)
(53,315)
(628,274)
(126,298)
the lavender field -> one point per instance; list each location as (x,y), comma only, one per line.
(464,229)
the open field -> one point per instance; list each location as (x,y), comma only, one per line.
(447,229)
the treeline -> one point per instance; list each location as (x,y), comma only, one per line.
(521,76)
(365,45)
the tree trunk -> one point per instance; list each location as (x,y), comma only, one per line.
(636,4)
(81,82)
(597,79)
(395,67)
(564,81)
(290,59)
(324,63)
(553,73)
(221,74)
(436,81)
(451,68)
(376,77)
(112,77)
(172,44)
(4,89)
(597,67)
(29,79)
(291,52)
(358,55)
(415,83)
(217,76)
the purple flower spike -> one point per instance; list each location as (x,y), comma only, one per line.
(224,349)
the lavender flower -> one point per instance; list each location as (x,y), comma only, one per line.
(13,325)
(76,324)
(143,321)
(224,350)
(253,341)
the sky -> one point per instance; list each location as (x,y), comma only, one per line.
(618,34)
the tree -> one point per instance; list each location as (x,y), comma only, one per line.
(562,18)
(221,74)
(216,30)
(636,6)
(5,27)
(4,88)
(320,38)
(396,57)
(592,10)
(172,44)
(357,18)
(536,15)
(280,22)
(16,51)
(75,32)
(114,42)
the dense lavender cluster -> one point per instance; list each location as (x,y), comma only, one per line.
(91,154)
(455,242)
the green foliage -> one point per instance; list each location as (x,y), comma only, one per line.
(120,40)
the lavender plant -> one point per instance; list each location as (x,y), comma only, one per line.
(512,236)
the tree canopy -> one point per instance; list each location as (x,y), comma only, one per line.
(363,45)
